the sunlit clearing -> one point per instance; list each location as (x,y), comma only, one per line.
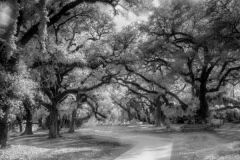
(5,12)
(130,17)
(121,22)
(156,3)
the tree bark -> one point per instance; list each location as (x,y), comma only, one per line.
(53,124)
(4,127)
(73,121)
(28,128)
(8,63)
(158,117)
(203,111)
(158,112)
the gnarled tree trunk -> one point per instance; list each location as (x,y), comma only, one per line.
(4,126)
(6,53)
(53,122)
(158,116)
(28,128)
(203,111)
(158,111)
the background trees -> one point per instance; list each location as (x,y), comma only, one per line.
(28,24)
(8,67)
(181,59)
(184,38)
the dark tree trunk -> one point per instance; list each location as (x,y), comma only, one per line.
(203,111)
(28,128)
(40,124)
(138,116)
(8,63)
(158,111)
(129,114)
(73,121)
(4,127)
(19,121)
(53,122)
(158,116)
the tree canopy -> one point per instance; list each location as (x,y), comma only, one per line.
(176,63)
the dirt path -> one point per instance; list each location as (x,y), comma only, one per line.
(146,146)
(150,148)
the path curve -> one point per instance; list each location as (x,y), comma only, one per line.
(146,147)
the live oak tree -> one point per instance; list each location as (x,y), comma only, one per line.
(57,12)
(197,41)
(149,96)
(71,48)
(61,70)
(51,63)
(7,50)
(122,52)
(27,20)
(26,88)
(81,103)
(137,106)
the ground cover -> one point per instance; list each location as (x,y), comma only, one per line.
(96,143)
(69,147)
(221,144)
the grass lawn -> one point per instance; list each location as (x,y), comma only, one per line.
(223,144)
(69,147)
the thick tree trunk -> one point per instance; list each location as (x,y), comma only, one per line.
(73,121)
(158,116)
(4,127)
(158,111)
(53,122)
(203,111)
(6,53)
(28,128)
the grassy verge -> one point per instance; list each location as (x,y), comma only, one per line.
(204,146)
(73,147)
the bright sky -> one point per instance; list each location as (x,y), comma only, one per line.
(156,3)
(120,20)
(129,17)
(4,14)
